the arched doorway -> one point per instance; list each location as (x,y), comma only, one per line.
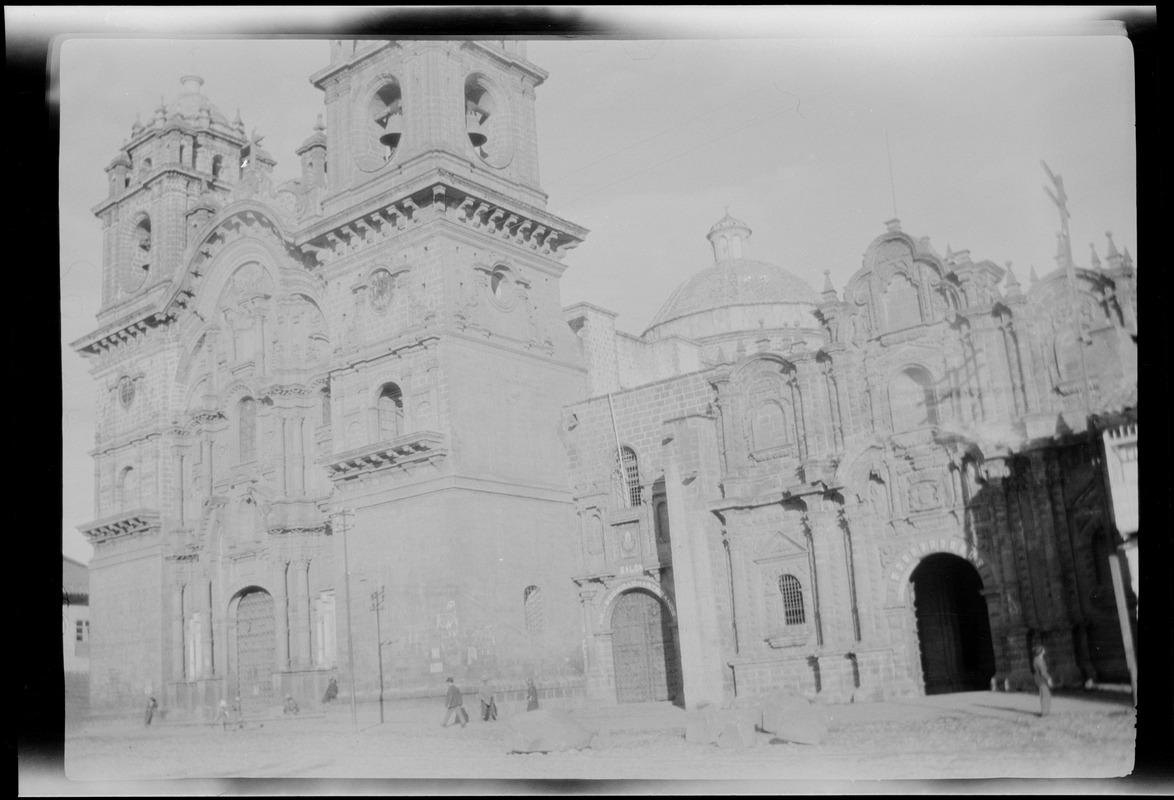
(953,629)
(255,649)
(644,652)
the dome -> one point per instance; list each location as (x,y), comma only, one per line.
(192,102)
(735,282)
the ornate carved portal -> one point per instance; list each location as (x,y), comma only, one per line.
(647,667)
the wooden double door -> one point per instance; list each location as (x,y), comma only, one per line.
(647,665)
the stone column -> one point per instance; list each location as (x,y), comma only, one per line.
(281,612)
(177,649)
(304,612)
(204,589)
(691,455)
(741,612)
(206,446)
(305,448)
(279,435)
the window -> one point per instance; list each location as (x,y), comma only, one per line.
(911,400)
(325,396)
(217,165)
(770,426)
(662,521)
(83,630)
(391,412)
(247,426)
(901,305)
(792,594)
(532,603)
(327,638)
(627,478)
(128,489)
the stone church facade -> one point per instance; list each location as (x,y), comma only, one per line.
(358,388)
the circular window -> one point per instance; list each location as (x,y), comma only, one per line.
(502,289)
(382,290)
(126,391)
(379,127)
(487,122)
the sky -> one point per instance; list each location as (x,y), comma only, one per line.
(813,130)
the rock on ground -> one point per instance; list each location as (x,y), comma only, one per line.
(794,719)
(547,730)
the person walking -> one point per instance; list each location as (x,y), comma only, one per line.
(1039,669)
(454,705)
(152,704)
(331,691)
(222,715)
(531,695)
(488,706)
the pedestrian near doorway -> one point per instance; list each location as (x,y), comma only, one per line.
(531,695)
(152,704)
(488,705)
(222,715)
(454,705)
(1039,669)
(331,691)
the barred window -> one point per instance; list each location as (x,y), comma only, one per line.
(792,594)
(325,395)
(532,603)
(83,630)
(628,471)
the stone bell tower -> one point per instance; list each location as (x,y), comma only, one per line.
(452,361)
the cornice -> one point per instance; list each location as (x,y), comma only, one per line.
(413,448)
(123,525)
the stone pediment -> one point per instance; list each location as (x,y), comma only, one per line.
(778,546)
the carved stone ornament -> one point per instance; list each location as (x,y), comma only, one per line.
(382,290)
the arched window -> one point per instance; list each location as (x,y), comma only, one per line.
(128,489)
(391,412)
(902,308)
(247,428)
(627,478)
(217,165)
(532,604)
(770,426)
(911,400)
(662,521)
(792,594)
(324,395)
(182,153)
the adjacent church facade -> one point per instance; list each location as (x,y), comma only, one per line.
(359,388)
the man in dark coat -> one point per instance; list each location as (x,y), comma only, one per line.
(152,704)
(531,695)
(454,705)
(331,691)
(488,706)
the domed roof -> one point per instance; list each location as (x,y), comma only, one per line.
(734,282)
(192,102)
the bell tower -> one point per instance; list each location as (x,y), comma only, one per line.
(399,110)
(165,182)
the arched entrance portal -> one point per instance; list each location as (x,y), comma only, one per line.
(953,629)
(255,649)
(647,667)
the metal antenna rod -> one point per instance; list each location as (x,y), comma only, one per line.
(892,186)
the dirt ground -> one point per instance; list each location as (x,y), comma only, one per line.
(978,735)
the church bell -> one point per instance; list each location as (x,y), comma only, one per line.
(392,123)
(473,119)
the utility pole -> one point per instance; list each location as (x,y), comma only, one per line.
(343,517)
(376,605)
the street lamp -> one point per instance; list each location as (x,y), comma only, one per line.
(344,516)
(376,605)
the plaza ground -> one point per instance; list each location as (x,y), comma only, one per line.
(976,735)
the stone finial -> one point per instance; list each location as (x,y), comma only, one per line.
(1096,260)
(893,225)
(319,125)
(827,282)
(949,252)
(191,83)
(1128,261)
(1013,289)
(1112,256)
(137,125)
(1032,276)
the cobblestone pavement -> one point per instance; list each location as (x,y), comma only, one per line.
(977,735)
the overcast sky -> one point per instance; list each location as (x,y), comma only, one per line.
(647,142)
